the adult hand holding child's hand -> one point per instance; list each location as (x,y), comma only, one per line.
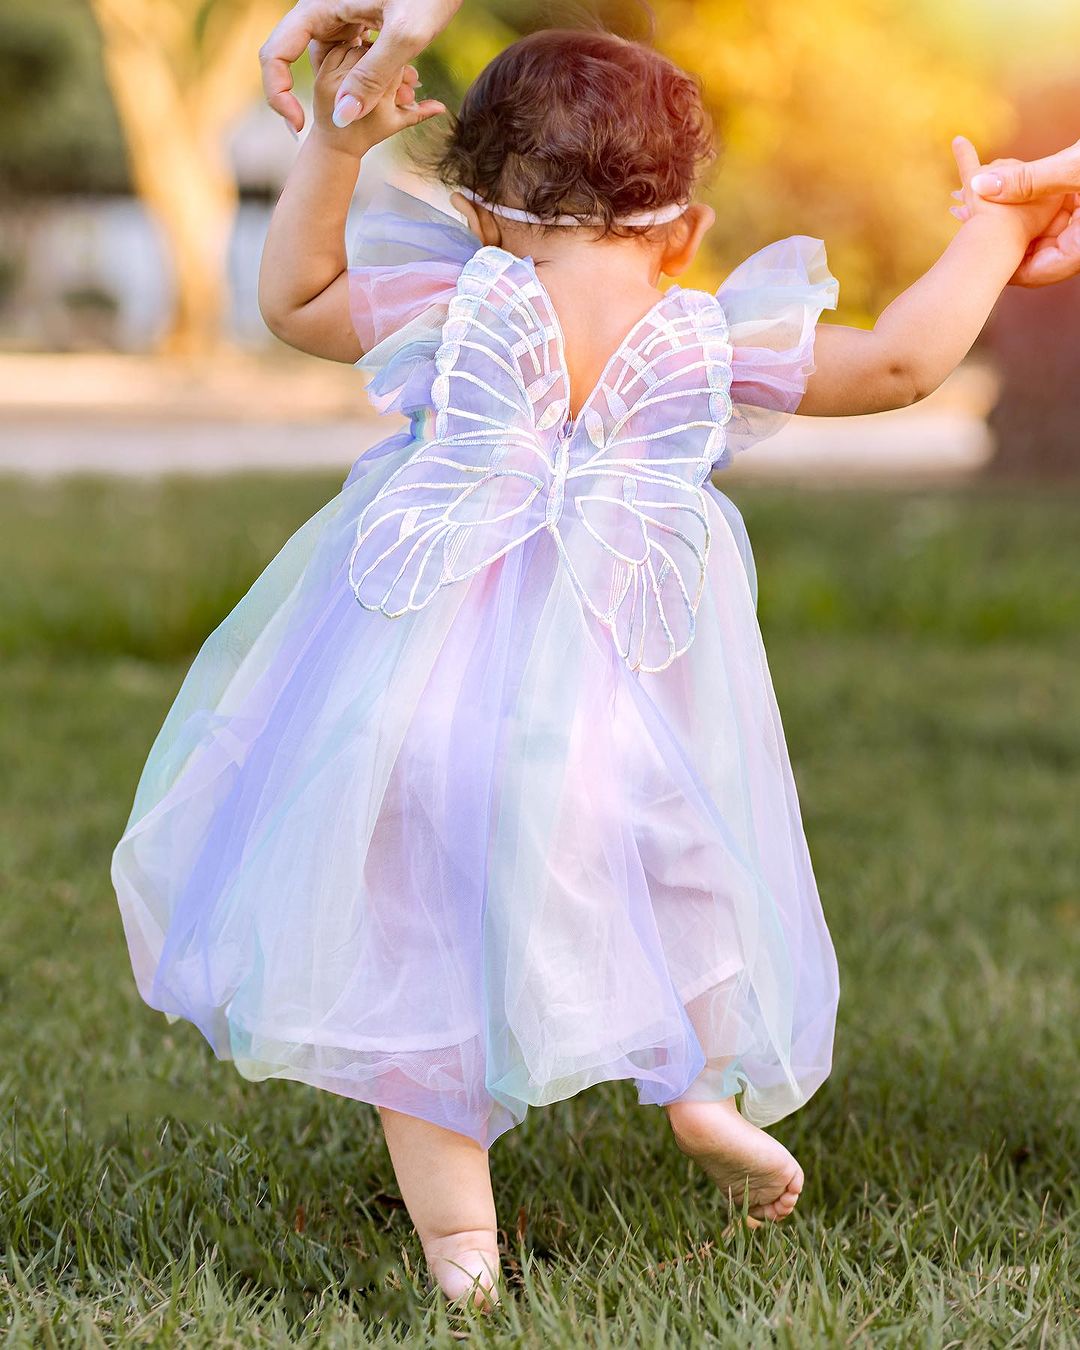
(405,29)
(395,110)
(1054,253)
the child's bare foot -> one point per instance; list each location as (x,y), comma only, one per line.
(738,1157)
(465,1266)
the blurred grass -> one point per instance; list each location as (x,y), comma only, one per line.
(171,557)
(924,647)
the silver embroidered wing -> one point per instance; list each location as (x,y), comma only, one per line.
(475,490)
(634,524)
(618,487)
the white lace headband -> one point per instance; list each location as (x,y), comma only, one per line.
(660,216)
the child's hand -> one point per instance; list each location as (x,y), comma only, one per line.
(1034,218)
(395,111)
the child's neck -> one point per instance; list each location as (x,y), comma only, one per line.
(568,260)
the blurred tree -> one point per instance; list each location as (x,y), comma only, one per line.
(836,120)
(180,71)
(1034,335)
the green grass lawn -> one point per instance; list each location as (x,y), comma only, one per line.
(924,648)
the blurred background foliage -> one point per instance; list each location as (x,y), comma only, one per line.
(60,131)
(834,119)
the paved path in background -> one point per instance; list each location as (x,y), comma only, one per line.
(129,415)
(945,444)
(47,447)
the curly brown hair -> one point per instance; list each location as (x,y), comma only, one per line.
(581,123)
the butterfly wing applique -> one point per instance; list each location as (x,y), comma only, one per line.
(634,526)
(619,487)
(480,486)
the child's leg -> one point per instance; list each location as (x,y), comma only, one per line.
(446,1186)
(738,1156)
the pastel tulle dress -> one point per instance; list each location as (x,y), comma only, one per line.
(480,795)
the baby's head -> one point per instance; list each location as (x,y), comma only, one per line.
(577,123)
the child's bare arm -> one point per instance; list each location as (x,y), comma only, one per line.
(928,330)
(303,278)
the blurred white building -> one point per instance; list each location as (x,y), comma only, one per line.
(87,272)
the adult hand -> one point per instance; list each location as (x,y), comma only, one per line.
(1055,254)
(1014,181)
(405,29)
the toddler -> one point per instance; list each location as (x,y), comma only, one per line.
(480,796)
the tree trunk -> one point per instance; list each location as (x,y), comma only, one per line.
(174,125)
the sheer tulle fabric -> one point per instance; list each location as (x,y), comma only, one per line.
(470,859)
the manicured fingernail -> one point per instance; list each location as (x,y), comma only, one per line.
(347,110)
(987,184)
(293,131)
(955,211)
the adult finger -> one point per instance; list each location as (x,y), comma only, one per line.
(1060,222)
(1028,182)
(1052,260)
(285,45)
(378,71)
(322,23)
(1046,267)
(1069,238)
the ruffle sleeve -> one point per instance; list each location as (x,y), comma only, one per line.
(405,260)
(772,303)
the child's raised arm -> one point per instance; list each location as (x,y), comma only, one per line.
(303,278)
(927,330)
